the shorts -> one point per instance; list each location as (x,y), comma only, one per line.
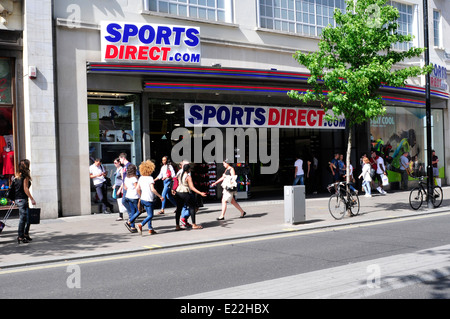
(378,178)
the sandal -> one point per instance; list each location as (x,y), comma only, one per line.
(161,212)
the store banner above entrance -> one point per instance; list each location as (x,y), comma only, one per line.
(219,115)
(151,43)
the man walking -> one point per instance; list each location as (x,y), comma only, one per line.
(380,171)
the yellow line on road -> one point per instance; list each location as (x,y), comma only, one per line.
(155,251)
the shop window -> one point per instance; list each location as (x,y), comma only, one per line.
(403,129)
(114,127)
(7,157)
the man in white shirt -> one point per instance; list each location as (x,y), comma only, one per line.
(381,170)
(97,173)
(299,173)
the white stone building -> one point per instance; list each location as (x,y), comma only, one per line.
(220,52)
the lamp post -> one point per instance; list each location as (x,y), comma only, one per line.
(427,103)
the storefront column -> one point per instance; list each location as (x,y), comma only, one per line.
(39,105)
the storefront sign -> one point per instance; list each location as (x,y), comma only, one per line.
(218,115)
(438,78)
(152,43)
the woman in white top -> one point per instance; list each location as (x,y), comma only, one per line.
(146,190)
(228,194)
(131,197)
(366,177)
(166,174)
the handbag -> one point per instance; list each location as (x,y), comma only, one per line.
(34,215)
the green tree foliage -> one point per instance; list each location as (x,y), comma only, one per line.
(354,59)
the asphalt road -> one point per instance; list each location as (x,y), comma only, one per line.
(196,272)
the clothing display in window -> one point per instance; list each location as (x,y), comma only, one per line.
(8,162)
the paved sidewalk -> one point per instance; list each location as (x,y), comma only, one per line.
(100,235)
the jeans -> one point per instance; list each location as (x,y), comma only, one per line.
(184,199)
(149,209)
(101,190)
(24,218)
(167,193)
(132,209)
(366,186)
(299,178)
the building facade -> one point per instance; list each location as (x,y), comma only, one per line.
(123,75)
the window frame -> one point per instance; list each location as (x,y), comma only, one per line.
(297,14)
(221,15)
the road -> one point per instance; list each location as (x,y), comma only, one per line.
(390,259)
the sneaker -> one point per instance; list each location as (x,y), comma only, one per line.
(119,219)
(151,232)
(383,192)
(139,228)
(379,190)
(367,195)
(183,221)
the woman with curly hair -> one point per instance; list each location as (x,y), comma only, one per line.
(148,193)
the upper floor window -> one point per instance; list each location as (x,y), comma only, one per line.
(299,16)
(437,28)
(214,10)
(405,23)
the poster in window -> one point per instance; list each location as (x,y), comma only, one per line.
(5,81)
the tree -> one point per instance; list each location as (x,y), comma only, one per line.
(354,59)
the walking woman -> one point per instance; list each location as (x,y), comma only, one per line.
(185,186)
(22,185)
(117,188)
(228,193)
(166,174)
(131,197)
(366,177)
(146,190)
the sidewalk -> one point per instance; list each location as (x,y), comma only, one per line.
(100,235)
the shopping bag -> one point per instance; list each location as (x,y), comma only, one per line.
(35,215)
(385,180)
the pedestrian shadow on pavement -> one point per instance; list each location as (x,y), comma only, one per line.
(58,243)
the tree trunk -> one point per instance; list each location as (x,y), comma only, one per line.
(349,150)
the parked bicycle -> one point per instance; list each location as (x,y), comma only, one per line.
(420,193)
(342,201)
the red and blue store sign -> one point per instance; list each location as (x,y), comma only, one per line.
(219,115)
(149,43)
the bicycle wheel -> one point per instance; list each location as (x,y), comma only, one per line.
(416,198)
(353,205)
(437,197)
(336,206)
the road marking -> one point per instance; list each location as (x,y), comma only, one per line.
(153,251)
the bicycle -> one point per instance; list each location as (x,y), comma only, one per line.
(416,197)
(342,201)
